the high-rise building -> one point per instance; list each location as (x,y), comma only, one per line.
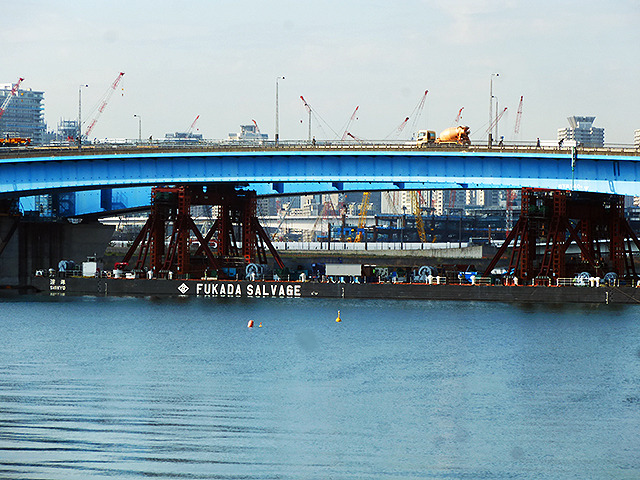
(582,131)
(24,116)
(636,138)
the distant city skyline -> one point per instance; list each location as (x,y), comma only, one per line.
(220,61)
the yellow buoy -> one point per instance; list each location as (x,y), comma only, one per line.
(260,324)
(338,319)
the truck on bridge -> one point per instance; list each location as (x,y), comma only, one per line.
(455,135)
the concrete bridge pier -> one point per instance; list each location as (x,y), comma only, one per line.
(27,245)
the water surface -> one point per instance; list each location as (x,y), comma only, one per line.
(181,388)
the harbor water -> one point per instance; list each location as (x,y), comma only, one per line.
(181,388)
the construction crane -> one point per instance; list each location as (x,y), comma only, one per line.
(415,208)
(327,209)
(103,103)
(493,124)
(190,130)
(516,130)
(346,130)
(7,101)
(398,130)
(459,116)
(417,112)
(362,218)
(308,108)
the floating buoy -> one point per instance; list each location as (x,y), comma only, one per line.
(250,324)
(260,324)
(338,319)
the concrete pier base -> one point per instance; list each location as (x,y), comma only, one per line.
(30,245)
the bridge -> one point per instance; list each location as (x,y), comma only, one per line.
(229,177)
(294,169)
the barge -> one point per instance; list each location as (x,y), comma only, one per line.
(105,286)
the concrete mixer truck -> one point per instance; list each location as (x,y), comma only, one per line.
(455,135)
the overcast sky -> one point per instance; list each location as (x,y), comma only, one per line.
(219,59)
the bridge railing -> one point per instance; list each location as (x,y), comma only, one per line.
(160,146)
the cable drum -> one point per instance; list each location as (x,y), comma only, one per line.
(611,278)
(425,271)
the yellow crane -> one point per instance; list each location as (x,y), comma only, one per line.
(415,207)
(362,221)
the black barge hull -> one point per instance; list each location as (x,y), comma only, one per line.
(274,289)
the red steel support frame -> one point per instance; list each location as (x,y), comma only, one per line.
(235,211)
(558,219)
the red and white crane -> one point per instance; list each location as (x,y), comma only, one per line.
(494,123)
(193,124)
(516,130)
(14,91)
(417,112)
(103,103)
(308,108)
(346,133)
(459,116)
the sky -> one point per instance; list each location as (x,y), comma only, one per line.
(220,59)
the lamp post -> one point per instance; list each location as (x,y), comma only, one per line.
(489,139)
(277,135)
(79,135)
(139,127)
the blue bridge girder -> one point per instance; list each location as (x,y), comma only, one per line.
(300,170)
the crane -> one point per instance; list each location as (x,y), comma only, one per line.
(103,103)
(459,116)
(346,130)
(7,101)
(362,218)
(190,130)
(493,124)
(398,130)
(257,127)
(308,108)
(415,208)
(417,112)
(516,130)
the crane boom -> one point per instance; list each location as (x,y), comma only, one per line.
(417,112)
(192,126)
(459,116)
(362,220)
(518,116)
(493,124)
(353,116)
(415,207)
(14,91)
(103,104)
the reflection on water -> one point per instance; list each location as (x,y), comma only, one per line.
(181,388)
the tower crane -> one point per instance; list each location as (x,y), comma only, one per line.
(7,101)
(516,130)
(362,218)
(346,130)
(415,208)
(103,103)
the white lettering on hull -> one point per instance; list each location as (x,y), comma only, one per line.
(252,290)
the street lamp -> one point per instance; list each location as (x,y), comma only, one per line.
(79,135)
(277,135)
(489,139)
(139,127)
